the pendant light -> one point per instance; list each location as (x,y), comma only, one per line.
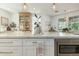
(54,8)
(25,6)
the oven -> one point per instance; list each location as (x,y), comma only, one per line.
(67,47)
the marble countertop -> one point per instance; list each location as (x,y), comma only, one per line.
(19,34)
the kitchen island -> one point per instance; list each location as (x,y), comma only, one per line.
(26,44)
(19,34)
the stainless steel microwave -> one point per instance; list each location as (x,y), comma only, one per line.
(68,49)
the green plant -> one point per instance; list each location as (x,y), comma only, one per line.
(75,26)
(12,24)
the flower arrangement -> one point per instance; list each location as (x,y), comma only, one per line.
(37,23)
(13,25)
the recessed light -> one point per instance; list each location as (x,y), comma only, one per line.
(34,8)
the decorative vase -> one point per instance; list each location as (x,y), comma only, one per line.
(37,30)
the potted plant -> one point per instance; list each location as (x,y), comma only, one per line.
(13,26)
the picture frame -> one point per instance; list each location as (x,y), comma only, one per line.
(4,21)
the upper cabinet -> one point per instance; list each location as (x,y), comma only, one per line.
(25,22)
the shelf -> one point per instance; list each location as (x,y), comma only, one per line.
(25,21)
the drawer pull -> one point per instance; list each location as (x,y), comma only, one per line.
(6,52)
(34,42)
(6,42)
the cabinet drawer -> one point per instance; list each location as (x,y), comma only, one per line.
(29,51)
(32,51)
(39,47)
(10,42)
(32,42)
(10,51)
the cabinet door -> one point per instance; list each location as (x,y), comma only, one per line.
(38,47)
(10,42)
(10,51)
(34,47)
(49,47)
(29,48)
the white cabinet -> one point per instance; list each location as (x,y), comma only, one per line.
(29,51)
(10,47)
(38,47)
(49,47)
(10,51)
(10,42)
(26,47)
(31,47)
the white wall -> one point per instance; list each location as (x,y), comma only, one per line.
(6,14)
(45,22)
(54,19)
(15,19)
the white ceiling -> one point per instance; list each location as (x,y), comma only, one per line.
(45,8)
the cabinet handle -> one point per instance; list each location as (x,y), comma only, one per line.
(6,52)
(6,42)
(34,42)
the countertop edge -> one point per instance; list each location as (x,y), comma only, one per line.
(40,37)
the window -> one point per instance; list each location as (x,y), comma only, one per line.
(72,23)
